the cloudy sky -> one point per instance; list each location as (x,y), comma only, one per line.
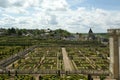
(71,15)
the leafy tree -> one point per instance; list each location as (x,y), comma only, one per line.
(102,77)
(19,32)
(62,33)
(16,73)
(8,73)
(89,77)
(24,31)
(11,31)
(36,32)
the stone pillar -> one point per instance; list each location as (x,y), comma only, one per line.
(119,58)
(111,54)
(114,45)
(116,58)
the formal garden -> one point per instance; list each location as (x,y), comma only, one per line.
(47,60)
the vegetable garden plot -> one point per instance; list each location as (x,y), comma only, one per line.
(39,59)
(89,58)
(18,77)
(7,51)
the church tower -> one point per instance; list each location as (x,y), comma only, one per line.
(91,35)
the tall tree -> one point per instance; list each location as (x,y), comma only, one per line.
(11,31)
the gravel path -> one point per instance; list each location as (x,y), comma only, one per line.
(68,66)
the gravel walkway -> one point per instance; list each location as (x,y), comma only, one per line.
(68,66)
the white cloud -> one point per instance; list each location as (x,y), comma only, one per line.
(55,14)
(4,3)
(54,5)
(15,10)
(19,3)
